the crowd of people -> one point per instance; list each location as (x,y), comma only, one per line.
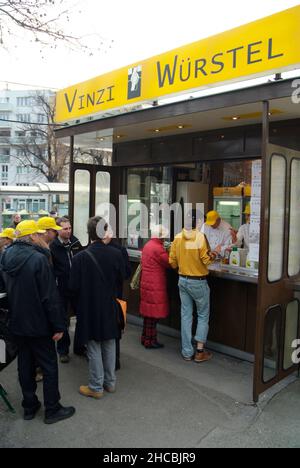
(49,277)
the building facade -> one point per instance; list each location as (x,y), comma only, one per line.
(20,146)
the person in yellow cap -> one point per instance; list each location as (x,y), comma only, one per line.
(36,320)
(243,234)
(50,227)
(217,232)
(7,237)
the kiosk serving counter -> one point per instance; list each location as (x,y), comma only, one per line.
(158,152)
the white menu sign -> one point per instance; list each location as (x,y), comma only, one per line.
(255,211)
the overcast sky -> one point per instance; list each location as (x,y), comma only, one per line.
(139,29)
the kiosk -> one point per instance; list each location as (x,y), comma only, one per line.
(137,144)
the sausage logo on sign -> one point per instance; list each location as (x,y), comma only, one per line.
(134,82)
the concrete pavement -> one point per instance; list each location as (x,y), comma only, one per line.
(161,401)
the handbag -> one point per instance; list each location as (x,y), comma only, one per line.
(121,305)
(136,279)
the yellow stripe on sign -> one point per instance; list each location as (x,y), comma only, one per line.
(266,46)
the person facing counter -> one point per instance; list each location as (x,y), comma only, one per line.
(190,253)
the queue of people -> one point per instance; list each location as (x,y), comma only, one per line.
(47,274)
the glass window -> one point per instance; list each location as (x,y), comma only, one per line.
(94,148)
(81,205)
(271,343)
(147,188)
(42,204)
(277,216)
(294,236)
(291,332)
(29,204)
(103,196)
(35,206)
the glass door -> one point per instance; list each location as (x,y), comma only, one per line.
(94,191)
(277,329)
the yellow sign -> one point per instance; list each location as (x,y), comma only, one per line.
(267,46)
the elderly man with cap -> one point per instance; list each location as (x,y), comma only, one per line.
(217,232)
(50,227)
(36,320)
(6,238)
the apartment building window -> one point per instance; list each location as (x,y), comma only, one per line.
(5,133)
(23,117)
(40,118)
(4,184)
(21,153)
(22,185)
(23,170)
(20,134)
(4,100)
(4,159)
(4,116)
(4,172)
(24,102)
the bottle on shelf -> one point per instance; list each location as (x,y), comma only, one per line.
(235,259)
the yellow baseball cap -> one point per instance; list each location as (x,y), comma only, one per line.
(8,233)
(212,217)
(46,223)
(26,228)
(247,209)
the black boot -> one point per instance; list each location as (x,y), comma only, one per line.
(59,415)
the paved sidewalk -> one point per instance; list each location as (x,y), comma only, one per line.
(161,401)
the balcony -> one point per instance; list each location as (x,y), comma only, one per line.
(6,107)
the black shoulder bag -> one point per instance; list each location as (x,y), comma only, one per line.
(121,305)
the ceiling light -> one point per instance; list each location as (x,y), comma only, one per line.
(180,127)
(235,118)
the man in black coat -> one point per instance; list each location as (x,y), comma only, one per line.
(63,249)
(94,278)
(36,320)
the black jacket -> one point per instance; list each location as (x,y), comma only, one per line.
(96,311)
(62,257)
(35,308)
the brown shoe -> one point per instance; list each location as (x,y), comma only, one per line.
(109,389)
(202,357)
(87,392)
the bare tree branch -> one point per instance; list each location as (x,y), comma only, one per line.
(46,20)
(39,149)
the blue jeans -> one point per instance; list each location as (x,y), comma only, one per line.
(194,291)
(102,363)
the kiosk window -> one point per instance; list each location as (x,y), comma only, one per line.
(103,195)
(294,236)
(81,205)
(146,188)
(277,216)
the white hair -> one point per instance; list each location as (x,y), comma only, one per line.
(159,232)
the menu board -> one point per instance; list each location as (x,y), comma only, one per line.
(255,211)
